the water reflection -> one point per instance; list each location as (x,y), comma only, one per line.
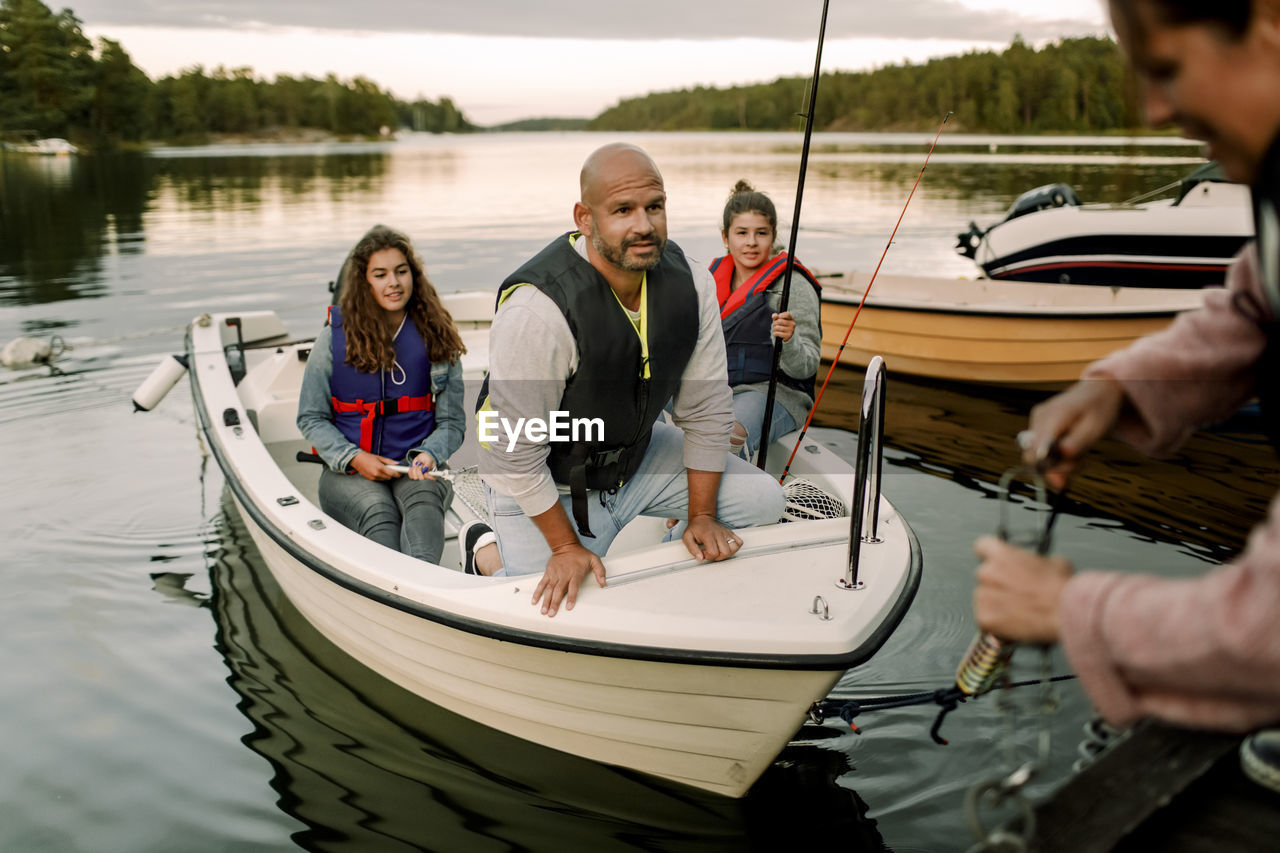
(228,182)
(363,764)
(78,227)
(63,217)
(1206,497)
(995,183)
(58,215)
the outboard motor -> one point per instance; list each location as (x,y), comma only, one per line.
(967,242)
(1040,198)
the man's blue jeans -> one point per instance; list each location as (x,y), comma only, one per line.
(748,497)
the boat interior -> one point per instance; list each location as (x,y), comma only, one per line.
(820,485)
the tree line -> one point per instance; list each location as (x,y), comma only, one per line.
(1076,85)
(55,82)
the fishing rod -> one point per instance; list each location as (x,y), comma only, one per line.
(849,331)
(767,423)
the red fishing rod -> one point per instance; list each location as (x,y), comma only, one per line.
(857,313)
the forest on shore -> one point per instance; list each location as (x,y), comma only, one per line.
(1076,85)
(55,82)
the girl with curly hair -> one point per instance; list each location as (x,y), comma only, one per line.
(383,387)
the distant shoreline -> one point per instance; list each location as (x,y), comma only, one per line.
(886,138)
(904,137)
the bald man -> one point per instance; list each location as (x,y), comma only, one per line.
(605,326)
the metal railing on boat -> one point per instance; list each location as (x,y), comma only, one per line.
(866,487)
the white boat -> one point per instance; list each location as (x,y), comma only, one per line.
(1186,241)
(988,332)
(698,673)
(50,147)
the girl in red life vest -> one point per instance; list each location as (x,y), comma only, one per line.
(383,386)
(749,284)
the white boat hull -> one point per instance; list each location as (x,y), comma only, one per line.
(694,673)
(713,727)
(1163,245)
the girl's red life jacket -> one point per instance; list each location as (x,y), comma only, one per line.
(747,321)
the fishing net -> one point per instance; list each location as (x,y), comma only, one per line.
(469,488)
(806,502)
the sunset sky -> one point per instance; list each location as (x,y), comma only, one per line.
(508,59)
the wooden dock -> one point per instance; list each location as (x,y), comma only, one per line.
(1161,789)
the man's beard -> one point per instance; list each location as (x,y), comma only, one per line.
(617,255)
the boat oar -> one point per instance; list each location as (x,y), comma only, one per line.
(767,423)
(849,331)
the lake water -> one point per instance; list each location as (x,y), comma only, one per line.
(160,695)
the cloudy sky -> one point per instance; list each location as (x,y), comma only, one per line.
(507,59)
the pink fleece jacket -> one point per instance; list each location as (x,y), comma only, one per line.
(1201,652)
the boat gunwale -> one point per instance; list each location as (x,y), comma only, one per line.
(1007,298)
(492,630)
(1137,312)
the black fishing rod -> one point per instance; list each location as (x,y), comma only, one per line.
(791,244)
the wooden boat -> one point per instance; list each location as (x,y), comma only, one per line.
(698,673)
(1185,241)
(989,332)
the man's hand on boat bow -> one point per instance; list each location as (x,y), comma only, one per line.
(567,568)
(708,539)
(569,564)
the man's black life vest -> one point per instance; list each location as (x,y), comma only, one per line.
(747,321)
(611,382)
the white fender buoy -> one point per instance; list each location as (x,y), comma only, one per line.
(24,352)
(152,390)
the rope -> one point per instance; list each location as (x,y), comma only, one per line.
(946,698)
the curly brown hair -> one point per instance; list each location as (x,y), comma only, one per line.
(369,345)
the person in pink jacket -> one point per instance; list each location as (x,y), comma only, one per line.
(1203,652)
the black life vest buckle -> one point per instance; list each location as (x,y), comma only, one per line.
(603,458)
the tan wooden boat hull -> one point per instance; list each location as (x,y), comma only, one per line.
(989,332)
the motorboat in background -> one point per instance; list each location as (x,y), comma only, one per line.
(1181,242)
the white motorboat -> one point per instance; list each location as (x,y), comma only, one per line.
(698,673)
(1181,242)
